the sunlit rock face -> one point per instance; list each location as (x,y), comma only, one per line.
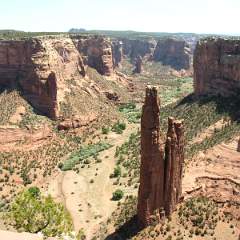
(39,68)
(173,52)
(160,177)
(217,67)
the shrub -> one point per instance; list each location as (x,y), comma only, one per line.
(34,213)
(119,127)
(117,172)
(105,130)
(117,195)
(84,153)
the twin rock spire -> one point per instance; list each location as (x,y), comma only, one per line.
(160,174)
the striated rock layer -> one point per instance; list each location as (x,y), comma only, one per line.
(160,177)
(96,52)
(217,66)
(39,68)
(173,52)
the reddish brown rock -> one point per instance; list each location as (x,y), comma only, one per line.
(173,52)
(217,67)
(174,159)
(117,53)
(112,96)
(138,65)
(238,147)
(160,179)
(150,196)
(40,67)
(76,122)
(96,52)
(132,48)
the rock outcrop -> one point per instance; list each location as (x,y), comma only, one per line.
(138,65)
(238,146)
(117,53)
(160,178)
(174,159)
(173,52)
(151,189)
(132,48)
(217,67)
(96,52)
(40,67)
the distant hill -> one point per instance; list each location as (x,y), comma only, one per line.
(77,30)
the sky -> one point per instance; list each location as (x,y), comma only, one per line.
(195,16)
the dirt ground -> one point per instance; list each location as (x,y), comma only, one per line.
(90,203)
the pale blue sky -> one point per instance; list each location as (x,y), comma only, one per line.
(200,16)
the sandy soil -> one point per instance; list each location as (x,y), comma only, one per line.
(90,203)
(220,166)
(209,131)
(7,235)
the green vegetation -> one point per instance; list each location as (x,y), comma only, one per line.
(16,35)
(199,214)
(128,157)
(119,127)
(9,102)
(117,172)
(84,153)
(131,112)
(105,130)
(175,89)
(32,212)
(117,195)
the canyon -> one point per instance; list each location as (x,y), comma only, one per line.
(71,123)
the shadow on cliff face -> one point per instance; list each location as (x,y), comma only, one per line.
(229,106)
(127,231)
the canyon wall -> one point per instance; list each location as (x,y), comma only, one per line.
(217,67)
(39,68)
(160,177)
(96,52)
(173,52)
(132,48)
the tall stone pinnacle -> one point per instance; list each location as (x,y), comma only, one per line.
(150,196)
(160,177)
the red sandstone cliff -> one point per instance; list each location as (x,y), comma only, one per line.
(40,68)
(217,66)
(160,178)
(96,52)
(173,52)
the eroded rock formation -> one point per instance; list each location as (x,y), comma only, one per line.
(217,67)
(174,159)
(173,52)
(160,178)
(39,68)
(238,146)
(133,48)
(96,52)
(150,196)
(138,65)
(117,53)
